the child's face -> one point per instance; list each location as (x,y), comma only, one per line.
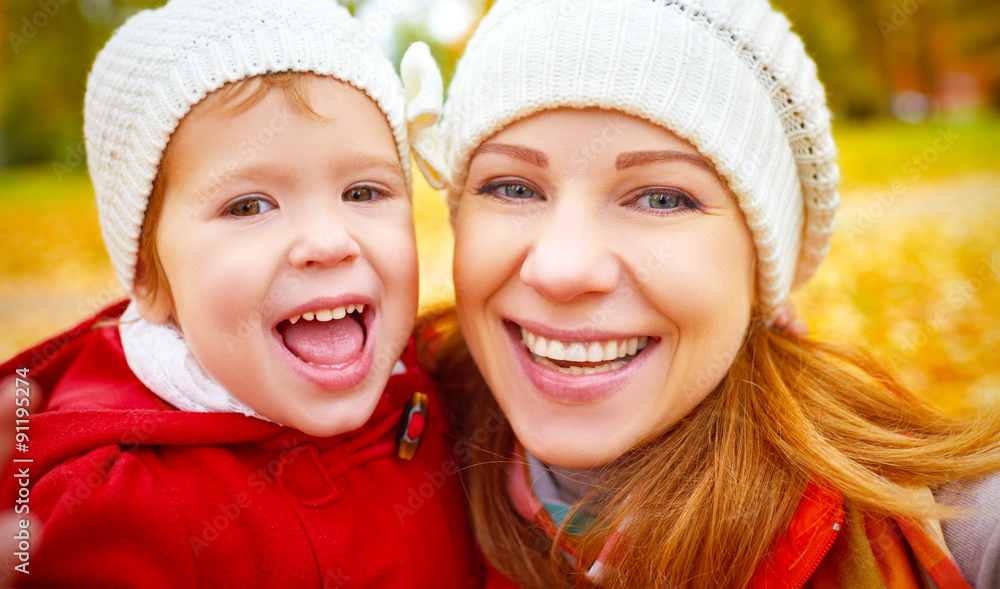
(269,215)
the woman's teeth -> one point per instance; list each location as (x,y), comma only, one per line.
(329,314)
(609,352)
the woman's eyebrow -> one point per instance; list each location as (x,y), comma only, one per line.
(628,159)
(527,154)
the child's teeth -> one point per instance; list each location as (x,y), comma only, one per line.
(329,314)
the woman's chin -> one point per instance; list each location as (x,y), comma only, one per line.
(572,449)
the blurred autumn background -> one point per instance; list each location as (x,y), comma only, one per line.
(915,86)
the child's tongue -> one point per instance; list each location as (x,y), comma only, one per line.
(329,343)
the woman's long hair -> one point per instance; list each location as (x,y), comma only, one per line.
(702,504)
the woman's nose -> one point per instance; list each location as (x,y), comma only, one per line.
(570,257)
(321,243)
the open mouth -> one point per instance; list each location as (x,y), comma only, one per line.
(583,357)
(327,338)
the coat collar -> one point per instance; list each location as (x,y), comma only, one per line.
(811,533)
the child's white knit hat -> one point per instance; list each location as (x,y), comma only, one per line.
(162,62)
(726,75)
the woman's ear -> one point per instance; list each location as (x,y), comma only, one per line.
(155,308)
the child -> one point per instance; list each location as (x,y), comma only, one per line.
(236,423)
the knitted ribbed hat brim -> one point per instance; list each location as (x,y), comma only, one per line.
(162,62)
(728,76)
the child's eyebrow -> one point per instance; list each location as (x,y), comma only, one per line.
(262,170)
(526,154)
(369,161)
(251,173)
(627,159)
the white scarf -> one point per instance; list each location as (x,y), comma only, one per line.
(160,357)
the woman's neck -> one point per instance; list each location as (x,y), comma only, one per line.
(573,484)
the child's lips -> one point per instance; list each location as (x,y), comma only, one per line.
(330,343)
(333,353)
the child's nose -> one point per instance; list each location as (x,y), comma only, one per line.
(569,257)
(323,245)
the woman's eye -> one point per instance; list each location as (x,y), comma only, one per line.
(663,200)
(510,191)
(249,207)
(360,194)
(516,191)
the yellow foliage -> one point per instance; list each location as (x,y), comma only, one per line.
(913,275)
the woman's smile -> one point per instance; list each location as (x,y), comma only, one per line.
(566,368)
(591,290)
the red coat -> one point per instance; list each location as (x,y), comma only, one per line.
(135,493)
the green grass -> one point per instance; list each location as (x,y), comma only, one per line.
(42,183)
(872,154)
(876,153)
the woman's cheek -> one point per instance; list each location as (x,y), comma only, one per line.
(478,247)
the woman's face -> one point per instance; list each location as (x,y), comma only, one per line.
(604,277)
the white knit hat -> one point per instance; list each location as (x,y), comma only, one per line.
(726,75)
(162,62)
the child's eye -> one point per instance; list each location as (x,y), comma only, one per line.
(361,194)
(663,201)
(509,191)
(250,207)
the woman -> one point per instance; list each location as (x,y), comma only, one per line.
(636,186)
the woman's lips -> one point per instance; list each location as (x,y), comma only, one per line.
(583,357)
(578,371)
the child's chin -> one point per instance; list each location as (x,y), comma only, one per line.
(345,418)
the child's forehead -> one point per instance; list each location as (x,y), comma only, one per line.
(288,97)
(299,90)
